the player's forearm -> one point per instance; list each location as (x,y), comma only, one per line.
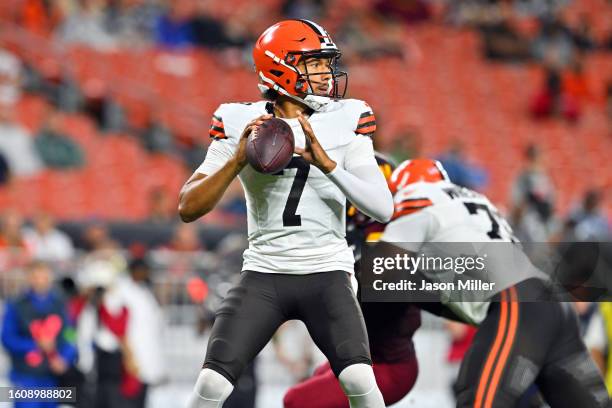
(367,190)
(199,197)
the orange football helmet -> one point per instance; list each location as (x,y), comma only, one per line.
(282,46)
(413,171)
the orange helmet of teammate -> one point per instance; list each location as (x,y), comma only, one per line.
(413,171)
(280,49)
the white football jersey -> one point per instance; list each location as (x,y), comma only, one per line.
(296,218)
(443,212)
(453,214)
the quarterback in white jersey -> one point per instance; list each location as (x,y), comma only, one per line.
(296,220)
(298,264)
(524,335)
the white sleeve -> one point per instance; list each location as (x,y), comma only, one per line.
(360,153)
(410,230)
(362,182)
(218,153)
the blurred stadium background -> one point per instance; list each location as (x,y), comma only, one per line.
(105,107)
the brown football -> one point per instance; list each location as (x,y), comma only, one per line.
(270,148)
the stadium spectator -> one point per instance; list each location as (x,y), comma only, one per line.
(103,323)
(576,84)
(101,107)
(184,256)
(583,35)
(589,221)
(10,78)
(35,333)
(354,36)
(17,146)
(97,238)
(46,242)
(14,251)
(552,101)
(554,43)
(208,31)
(533,199)
(157,137)
(185,239)
(54,147)
(241,29)
(501,40)
(11,231)
(174,29)
(133,22)
(460,170)
(52,81)
(161,209)
(86,24)
(144,331)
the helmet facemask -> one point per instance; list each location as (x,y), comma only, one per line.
(338,81)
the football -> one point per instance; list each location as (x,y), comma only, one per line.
(270,147)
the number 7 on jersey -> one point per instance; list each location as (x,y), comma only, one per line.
(290,218)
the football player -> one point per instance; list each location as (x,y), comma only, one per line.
(390,328)
(519,341)
(298,264)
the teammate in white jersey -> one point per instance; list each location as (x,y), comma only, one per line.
(520,341)
(298,264)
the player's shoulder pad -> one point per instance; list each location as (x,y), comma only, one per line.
(417,197)
(230,119)
(361,116)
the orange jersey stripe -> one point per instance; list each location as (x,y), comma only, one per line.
(501,331)
(365,130)
(415,202)
(505,353)
(217,134)
(367,119)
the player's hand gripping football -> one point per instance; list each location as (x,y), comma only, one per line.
(313,153)
(240,156)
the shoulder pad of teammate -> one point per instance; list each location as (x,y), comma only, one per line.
(230,119)
(419,196)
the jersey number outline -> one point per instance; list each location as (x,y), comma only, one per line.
(473,208)
(290,218)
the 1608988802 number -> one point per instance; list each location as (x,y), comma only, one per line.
(39,394)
